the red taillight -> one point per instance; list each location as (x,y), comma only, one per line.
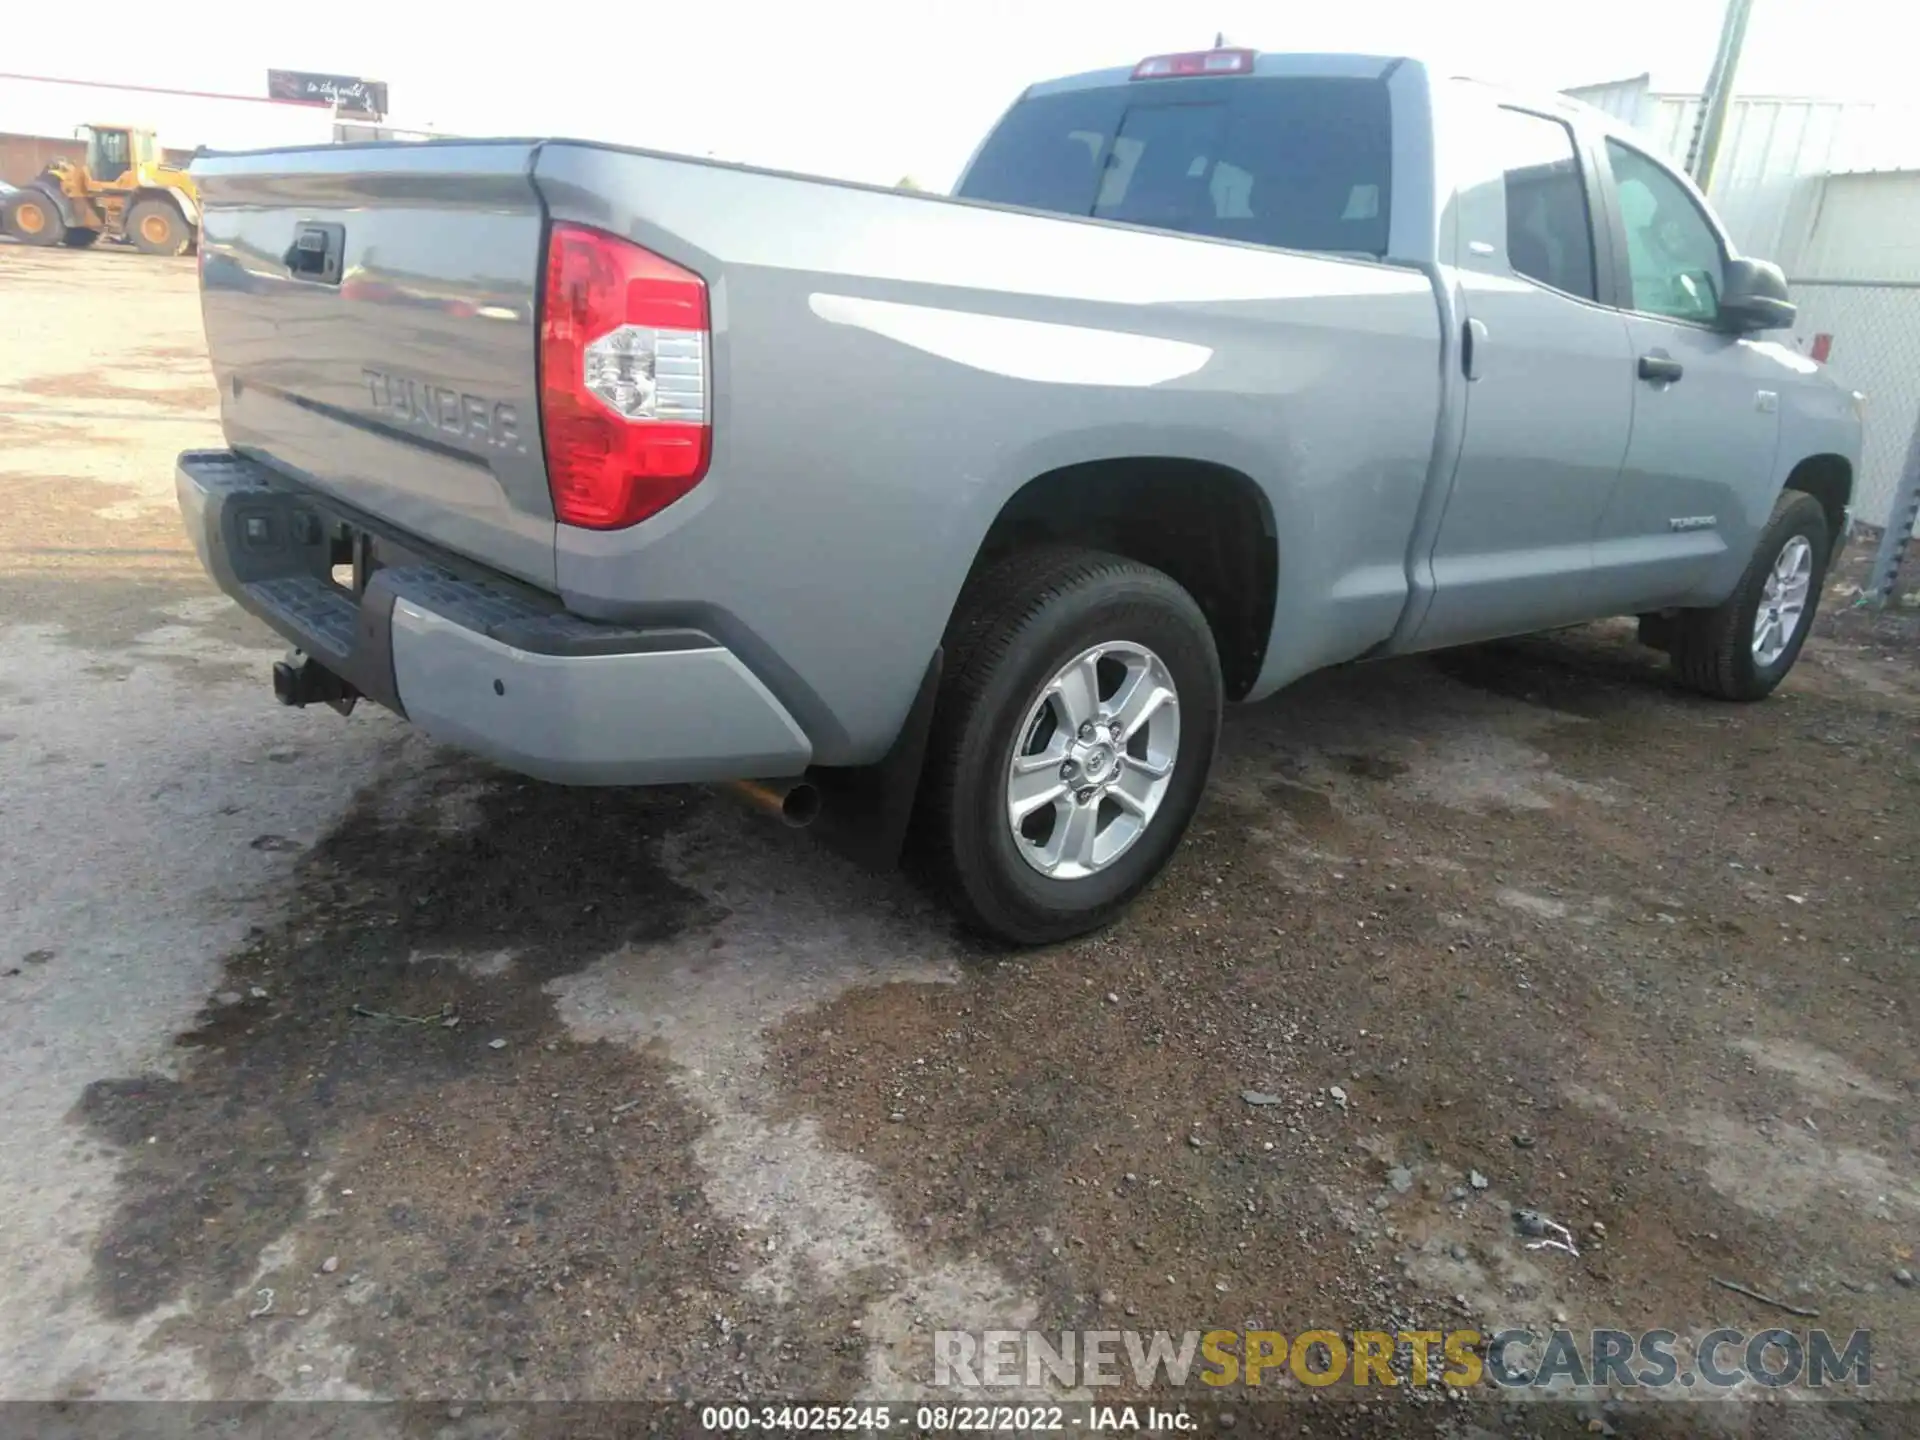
(623,379)
(1195,62)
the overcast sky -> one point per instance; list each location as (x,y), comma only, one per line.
(872,90)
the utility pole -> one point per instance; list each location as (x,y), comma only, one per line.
(1707,129)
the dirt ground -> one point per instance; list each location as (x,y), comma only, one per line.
(341,1066)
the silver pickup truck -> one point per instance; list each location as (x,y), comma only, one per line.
(957,520)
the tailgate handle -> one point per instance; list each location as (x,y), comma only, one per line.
(316,252)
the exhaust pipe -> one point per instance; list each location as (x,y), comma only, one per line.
(795,802)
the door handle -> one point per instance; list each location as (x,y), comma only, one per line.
(316,253)
(1472,336)
(1661,369)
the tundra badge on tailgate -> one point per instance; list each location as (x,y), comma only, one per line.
(450,412)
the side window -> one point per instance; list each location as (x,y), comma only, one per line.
(1673,253)
(1549,231)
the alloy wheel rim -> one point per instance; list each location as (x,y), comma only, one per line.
(1783,601)
(1093,760)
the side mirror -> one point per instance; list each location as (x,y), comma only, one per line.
(1753,296)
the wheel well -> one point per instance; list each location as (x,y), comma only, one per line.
(1829,479)
(1206,525)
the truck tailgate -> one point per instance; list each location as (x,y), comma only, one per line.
(370,313)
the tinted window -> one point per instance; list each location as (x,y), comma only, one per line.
(1296,162)
(1044,154)
(1549,232)
(1672,252)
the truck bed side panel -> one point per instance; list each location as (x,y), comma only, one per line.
(890,369)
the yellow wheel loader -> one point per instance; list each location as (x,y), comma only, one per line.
(121,190)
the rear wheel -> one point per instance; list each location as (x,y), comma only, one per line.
(79,239)
(1077,720)
(32,218)
(158,227)
(1743,648)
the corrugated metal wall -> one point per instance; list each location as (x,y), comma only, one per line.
(1770,154)
(1625,100)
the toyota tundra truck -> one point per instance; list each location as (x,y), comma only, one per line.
(958,519)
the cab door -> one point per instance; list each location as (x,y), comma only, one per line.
(1706,403)
(109,155)
(1549,398)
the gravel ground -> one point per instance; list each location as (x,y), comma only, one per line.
(500,1091)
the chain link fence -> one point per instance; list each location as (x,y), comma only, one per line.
(1872,344)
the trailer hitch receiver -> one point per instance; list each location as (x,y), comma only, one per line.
(301,680)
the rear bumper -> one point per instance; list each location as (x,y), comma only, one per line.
(479,661)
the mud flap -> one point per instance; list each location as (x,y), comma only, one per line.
(866,810)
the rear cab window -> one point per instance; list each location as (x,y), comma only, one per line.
(1293,161)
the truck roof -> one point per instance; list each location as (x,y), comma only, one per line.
(1265,62)
(1343,66)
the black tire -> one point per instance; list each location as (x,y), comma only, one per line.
(1017,623)
(33,219)
(78,239)
(157,227)
(1712,650)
